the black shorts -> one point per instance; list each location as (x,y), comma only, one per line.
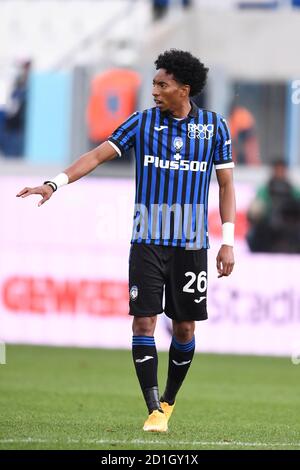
(182,272)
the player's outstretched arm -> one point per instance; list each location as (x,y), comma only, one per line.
(81,167)
(225,258)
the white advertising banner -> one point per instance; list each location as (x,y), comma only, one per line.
(64,271)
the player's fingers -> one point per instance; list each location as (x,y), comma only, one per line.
(31,191)
(225,268)
(37,190)
(220,273)
(22,192)
(228,267)
(219,266)
(42,201)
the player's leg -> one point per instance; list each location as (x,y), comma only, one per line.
(145,359)
(186,290)
(181,354)
(146,290)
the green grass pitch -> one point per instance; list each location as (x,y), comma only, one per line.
(60,398)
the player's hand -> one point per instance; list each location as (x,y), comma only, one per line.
(45,191)
(225,260)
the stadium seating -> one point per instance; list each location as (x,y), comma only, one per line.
(47,31)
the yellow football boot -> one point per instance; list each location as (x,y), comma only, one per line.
(167,409)
(156,422)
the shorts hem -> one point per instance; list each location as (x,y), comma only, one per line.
(204,317)
(144,314)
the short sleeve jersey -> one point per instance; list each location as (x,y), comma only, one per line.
(174,161)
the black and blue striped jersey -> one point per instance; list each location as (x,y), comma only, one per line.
(174,160)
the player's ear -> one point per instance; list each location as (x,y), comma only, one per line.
(185,90)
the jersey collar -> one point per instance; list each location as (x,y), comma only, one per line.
(192,114)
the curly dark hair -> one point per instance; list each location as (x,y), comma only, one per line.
(186,69)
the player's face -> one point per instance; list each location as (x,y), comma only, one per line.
(168,94)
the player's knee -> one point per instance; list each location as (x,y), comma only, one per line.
(143,326)
(184,331)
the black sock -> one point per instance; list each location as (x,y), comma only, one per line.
(145,360)
(180,358)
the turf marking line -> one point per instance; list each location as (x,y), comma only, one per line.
(32,440)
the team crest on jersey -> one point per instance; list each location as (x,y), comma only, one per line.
(134,292)
(200,131)
(178,144)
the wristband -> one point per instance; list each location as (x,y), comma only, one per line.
(52,184)
(58,181)
(228,234)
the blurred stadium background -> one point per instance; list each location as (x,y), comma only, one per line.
(70,72)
